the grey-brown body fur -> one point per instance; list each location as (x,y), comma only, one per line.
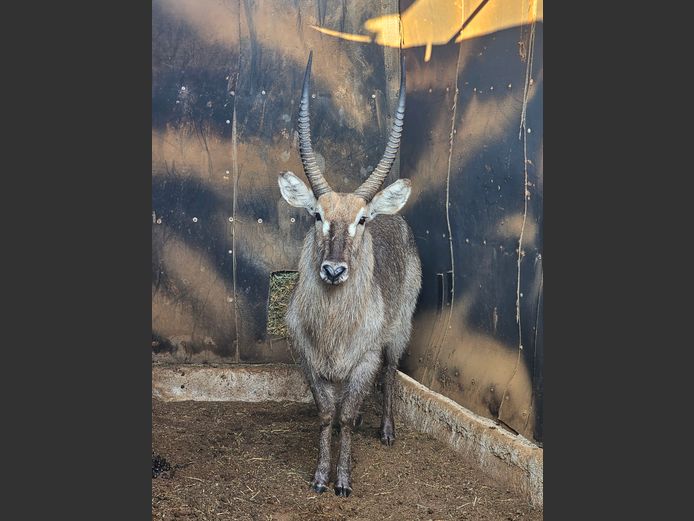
(359,277)
(345,333)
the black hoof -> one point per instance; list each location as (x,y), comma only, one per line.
(318,487)
(387,441)
(358,421)
(343,491)
(387,436)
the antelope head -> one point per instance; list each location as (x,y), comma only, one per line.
(341,218)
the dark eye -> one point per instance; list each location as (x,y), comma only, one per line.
(362,220)
(318,216)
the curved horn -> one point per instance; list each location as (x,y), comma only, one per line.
(373,183)
(308,157)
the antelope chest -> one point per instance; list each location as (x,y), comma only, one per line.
(344,338)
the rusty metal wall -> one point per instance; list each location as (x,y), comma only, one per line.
(226,79)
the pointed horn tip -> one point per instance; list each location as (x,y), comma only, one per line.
(307,73)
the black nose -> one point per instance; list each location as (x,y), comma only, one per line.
(333,272)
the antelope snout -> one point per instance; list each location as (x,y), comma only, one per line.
(334,272)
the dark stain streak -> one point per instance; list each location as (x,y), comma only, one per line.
(256,52)
(344,16)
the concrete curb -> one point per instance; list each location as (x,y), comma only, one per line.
(507,458)
(243,383)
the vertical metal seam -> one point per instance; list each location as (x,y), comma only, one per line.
(447,325)
(532,371)
(526,193)
(234,156)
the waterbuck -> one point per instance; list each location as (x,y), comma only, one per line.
(359,276)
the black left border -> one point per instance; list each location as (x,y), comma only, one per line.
(77,287)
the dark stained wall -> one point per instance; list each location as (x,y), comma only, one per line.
(226,80)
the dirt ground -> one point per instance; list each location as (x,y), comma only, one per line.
(232,460)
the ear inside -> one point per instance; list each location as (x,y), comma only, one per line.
(295,192)
(390,200)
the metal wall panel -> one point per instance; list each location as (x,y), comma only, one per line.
(226,82)
(473,133)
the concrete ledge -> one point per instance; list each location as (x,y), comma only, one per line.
(243,383)
(507,458)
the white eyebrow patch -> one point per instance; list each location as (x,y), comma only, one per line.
(352,228)
(326,224)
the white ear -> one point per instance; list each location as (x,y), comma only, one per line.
(390,200)
(295,192)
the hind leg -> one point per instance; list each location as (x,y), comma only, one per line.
(391,356)
(387,430)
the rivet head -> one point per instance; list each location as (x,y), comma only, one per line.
(159,221)
(313,96)
(262,92)
(231,251)
(233,93)
(195,219)
(373,96)
(292,220)
(260,221)
(228,121)
(231,219)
